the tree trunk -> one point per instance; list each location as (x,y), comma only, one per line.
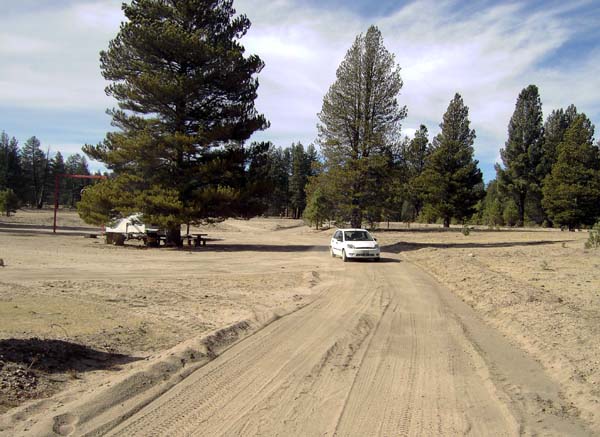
(356,218)
(174,236)
(521,208)
(446,222)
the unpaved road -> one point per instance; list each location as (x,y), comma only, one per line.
(383,351)
(376,348)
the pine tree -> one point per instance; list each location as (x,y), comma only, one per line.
(75,164)
(318,208)
(301,170)
(186,104)
(36,170)
(493,205)
(9,202)
(522,155)
(10,165)
(359,122)
(451,182)
(298,179)
(572,190)
(555,127)
(279,175)
(57,168)
(415,156)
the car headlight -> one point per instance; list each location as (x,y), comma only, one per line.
(376,246)
(350,246)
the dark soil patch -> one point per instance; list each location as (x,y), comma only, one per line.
(37,368)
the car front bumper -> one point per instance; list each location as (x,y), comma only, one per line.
(363,253)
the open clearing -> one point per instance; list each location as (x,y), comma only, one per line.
(263,333)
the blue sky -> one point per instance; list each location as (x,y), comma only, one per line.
(51,87)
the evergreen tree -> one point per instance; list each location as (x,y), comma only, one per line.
(359,121)
(76,164)
(279,175)
(35,172)
(298,179)
(572,190)
(318,208)
(10,165)
(58,168)
(301,170)
(186,97)
(415,156)
(258,185)
(493,206)
(522,155)
(451,182)
(555,127)
(9,202)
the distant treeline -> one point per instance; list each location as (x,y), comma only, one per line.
(27,174)
(550,174)
(185,92)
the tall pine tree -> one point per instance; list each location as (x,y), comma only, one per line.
(186,104)
(572,189)
(36,170)
(10,165)
(522,155)
(451,182)
(415,157)
(359,122)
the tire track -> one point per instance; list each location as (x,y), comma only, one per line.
(378,354)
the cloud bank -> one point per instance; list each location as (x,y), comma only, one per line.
(486,51)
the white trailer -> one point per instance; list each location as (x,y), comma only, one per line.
(133,228)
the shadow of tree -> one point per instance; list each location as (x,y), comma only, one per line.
(406,247)
(56,356)
(258,248)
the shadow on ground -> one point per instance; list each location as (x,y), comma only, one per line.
(258,248)
(407,247)
(57,356)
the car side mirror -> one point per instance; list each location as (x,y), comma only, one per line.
(374,238)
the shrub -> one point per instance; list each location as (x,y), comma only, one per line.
(510,214)
(594,237)
(9,202)
(466,230)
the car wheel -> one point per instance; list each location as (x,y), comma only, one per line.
(344,257)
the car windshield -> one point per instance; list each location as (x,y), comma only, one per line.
(358,236)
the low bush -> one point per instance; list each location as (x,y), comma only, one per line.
(594,237)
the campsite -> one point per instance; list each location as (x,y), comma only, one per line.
(119,313)
(299,218)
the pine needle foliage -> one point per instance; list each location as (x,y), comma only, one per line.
(186,92)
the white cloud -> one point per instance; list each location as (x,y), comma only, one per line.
(51,59)
(487,56)
(53,56)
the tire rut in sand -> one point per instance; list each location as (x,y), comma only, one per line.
(275,380)
(380,354)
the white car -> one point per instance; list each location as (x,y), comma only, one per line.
(354,243)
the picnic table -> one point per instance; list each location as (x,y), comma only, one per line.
(195,239)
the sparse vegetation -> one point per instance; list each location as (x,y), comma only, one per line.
(9,202)
(593,241)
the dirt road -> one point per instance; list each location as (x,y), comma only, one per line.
(361,348)
(384,351)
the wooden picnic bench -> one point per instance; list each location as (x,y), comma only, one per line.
(195,239)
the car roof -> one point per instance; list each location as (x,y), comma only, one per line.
(352,229)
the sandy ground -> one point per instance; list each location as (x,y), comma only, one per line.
(263,327)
